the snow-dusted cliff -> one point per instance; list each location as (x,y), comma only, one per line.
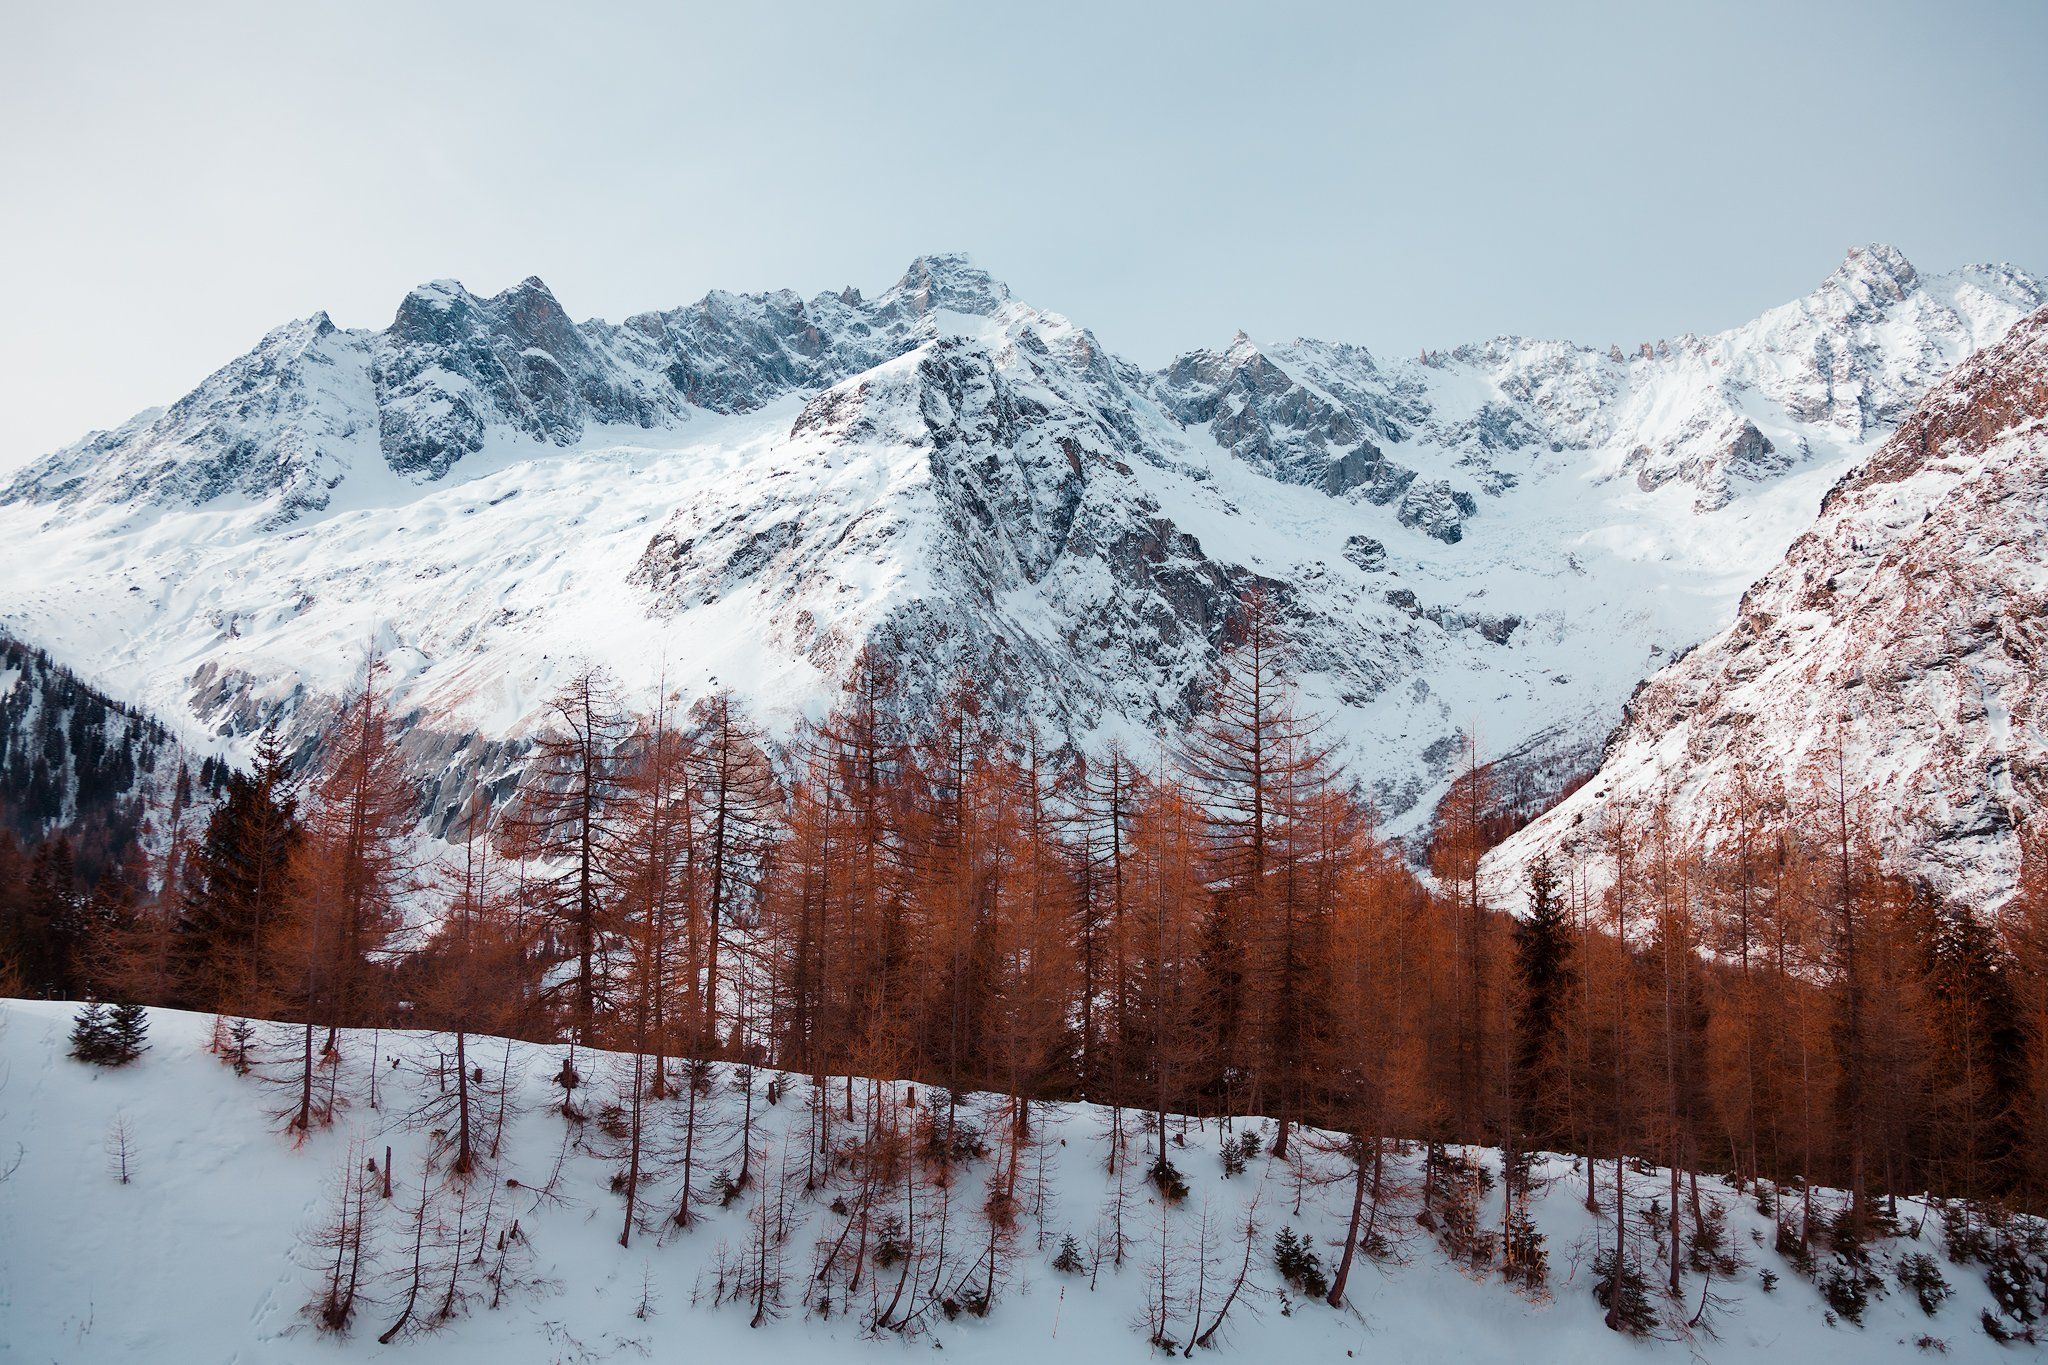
(1504,538)
(1909,626)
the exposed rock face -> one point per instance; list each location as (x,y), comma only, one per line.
(1033,541)
(1437,509)
(746,489)
(1909,625)
(452,366)
(1366,553)
(1256,409)
(1709,452)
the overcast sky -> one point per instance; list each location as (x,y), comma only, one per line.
(176,179)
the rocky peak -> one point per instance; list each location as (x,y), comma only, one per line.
(444,313)
(530,312)
(432,312)
(1876,275)
(452,367)
(280,345)
(950,281)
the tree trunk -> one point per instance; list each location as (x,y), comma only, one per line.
(304,1121)
(464,1158)
(1343,1276)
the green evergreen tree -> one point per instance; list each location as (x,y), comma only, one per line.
(241,1039)
(1972,1120)
(235,884)
(1543,967)
(1624,1295)
(127,1034)
(92,1038)
(1296,1260)
(44,930)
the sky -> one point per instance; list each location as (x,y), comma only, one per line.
(175,180)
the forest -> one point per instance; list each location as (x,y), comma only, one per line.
(1209,928)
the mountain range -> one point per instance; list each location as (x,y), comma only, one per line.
(1498,542)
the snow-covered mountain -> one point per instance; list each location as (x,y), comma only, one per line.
(1909,626)
(1504,538)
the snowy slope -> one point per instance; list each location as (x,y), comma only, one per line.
(1501,539)
(202,1256)
(1910,623)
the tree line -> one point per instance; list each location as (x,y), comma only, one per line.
(1210,927)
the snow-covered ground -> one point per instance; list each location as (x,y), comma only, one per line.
(203,1256)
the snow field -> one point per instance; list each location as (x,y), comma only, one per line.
(203,1256)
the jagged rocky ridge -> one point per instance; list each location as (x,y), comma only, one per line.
(1909,626)
(1503,538)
